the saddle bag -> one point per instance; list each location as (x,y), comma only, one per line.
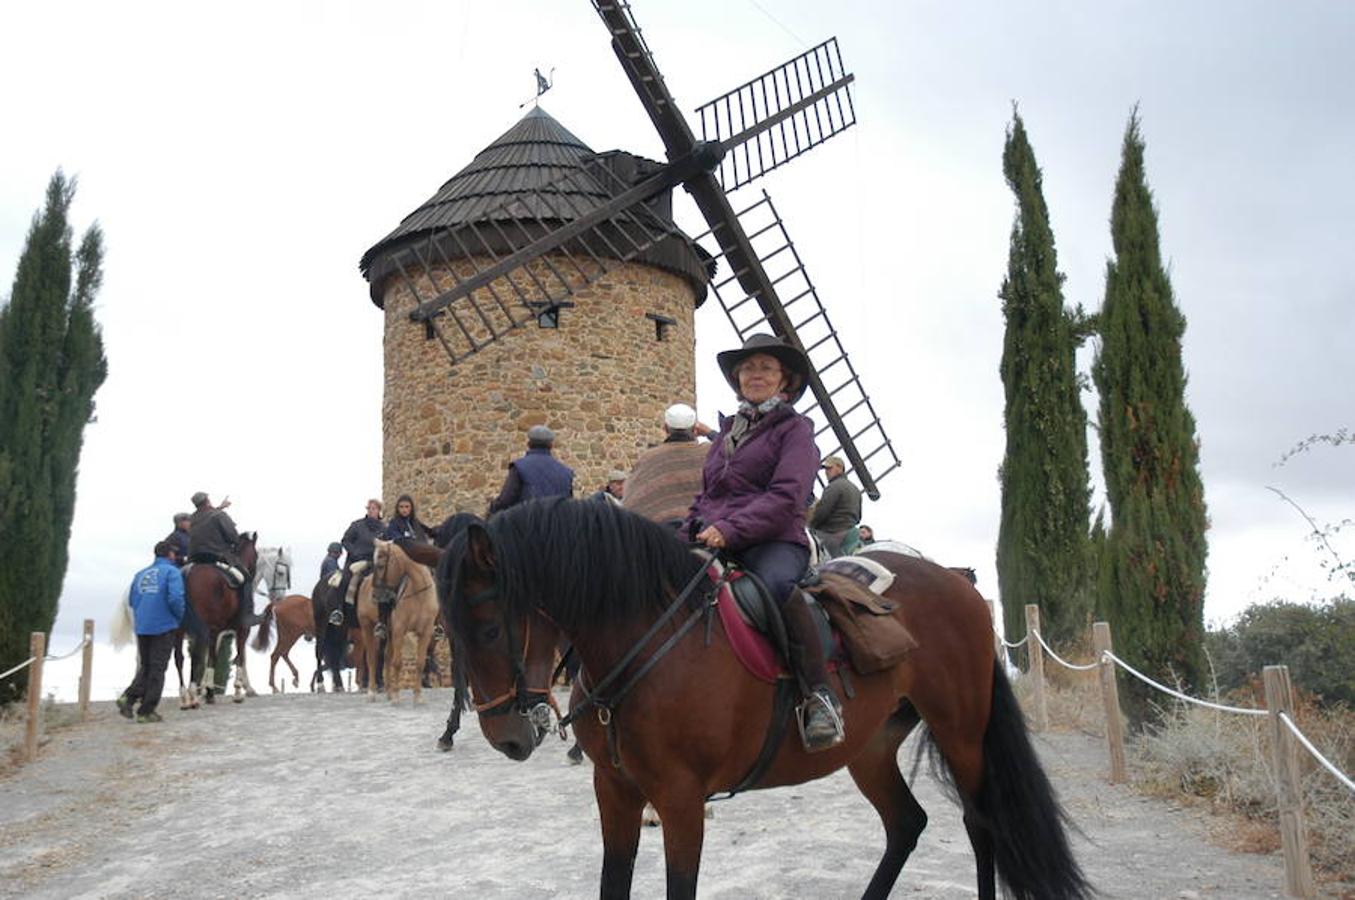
(875,638)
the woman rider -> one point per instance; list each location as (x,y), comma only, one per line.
(758,476)
(404,528)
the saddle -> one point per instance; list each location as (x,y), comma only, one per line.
(235,577)
(856,623)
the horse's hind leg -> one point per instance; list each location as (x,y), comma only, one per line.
(241,670)
(876,773)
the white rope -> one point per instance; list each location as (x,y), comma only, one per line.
(1340,776)
(32,659)
(1180,696)
(1060,660)
(1009,645)
(78,647)
(27,662)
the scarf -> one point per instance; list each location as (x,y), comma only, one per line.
(746,419)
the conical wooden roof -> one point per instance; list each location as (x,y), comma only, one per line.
(535,152)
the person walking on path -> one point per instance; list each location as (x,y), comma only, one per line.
(535,474)
(667,478)
(157,601)
(838,511)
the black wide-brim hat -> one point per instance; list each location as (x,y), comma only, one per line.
(791,359)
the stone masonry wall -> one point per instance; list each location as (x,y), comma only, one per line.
(601,381)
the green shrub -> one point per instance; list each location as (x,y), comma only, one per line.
(1317,643)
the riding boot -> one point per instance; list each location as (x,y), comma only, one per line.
(248,617)
(821,722)
(383,626)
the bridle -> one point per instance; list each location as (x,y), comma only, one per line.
(280,578)
(536,704)
(381,584)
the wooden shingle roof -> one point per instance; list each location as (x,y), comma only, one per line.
(535,152)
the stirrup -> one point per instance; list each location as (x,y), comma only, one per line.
(380,631)
(820,721)
(336,618)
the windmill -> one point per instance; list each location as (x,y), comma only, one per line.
(522,261)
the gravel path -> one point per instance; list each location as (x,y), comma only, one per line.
(328,796)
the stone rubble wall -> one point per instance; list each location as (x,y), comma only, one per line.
(601,381)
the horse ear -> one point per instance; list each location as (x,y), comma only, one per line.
(479,548)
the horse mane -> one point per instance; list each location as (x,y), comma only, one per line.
(587,562)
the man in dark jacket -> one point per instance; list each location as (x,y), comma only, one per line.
(157,601)
(330,564)
(535,474)
(838,511)
(359,542)
(179,537)
(212,538)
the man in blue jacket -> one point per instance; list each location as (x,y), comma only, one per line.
(535,474)
(157,602)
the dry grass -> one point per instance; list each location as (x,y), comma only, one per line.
(13,727)
(1222,762)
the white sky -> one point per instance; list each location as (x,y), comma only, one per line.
(242,158)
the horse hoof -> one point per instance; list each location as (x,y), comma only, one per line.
(238,698)
(250,692)
(211,700)
(371,698)
(445,744)
(419,701)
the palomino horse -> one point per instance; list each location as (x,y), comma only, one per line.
(673,717)
(395,575)
(293,616)
(217,605)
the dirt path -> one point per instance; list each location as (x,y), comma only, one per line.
(328,796)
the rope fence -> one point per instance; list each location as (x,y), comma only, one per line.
(1285,734)
(37,656)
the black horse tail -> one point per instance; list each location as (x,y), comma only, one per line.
(1017,803)
(261,640)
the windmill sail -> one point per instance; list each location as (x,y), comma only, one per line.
(746,266)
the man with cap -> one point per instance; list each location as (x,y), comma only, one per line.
(179,537)
(157,601)
(838,511)
(330,564)
(212,538)
(667,478)
(614,491)
(535,474)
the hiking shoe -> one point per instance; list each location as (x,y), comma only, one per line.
(125,706)
(821,721)
(148,718)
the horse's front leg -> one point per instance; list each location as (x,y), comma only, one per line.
(683,812)
(619,805)
(241,671)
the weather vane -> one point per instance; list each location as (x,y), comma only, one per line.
(543,84)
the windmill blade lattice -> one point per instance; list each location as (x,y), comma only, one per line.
(472,284)
(777,116)
(840,399)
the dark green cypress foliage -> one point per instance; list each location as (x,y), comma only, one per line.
(1152,572)
(51,363)
(1043,548)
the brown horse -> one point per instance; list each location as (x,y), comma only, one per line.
(668,713)
(216,607)
(410,584)
(294,618)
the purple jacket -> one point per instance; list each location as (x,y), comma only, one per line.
(759,494)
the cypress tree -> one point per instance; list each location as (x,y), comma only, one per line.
(1152,573)
(1043,547)
(51,364)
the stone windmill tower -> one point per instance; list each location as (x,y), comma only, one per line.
(599,368)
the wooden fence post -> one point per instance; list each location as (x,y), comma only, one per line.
(1298,872)
(86,669)
(1035,653)
(1110,698)
(37,648)
(997,636)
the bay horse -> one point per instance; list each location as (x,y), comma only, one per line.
(411,586)
(330,640)
(294,620)
(216,607)
(689,720)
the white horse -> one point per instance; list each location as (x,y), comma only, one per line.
(273,572)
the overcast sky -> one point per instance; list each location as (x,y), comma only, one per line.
(242,158)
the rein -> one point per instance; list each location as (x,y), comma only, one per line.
(607,705)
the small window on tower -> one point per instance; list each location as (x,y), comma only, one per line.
(548,314)
(661,325)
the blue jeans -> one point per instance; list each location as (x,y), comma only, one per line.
(779,564)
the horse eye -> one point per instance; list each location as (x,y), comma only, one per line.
(489,633)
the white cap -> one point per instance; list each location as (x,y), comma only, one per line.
(679,417)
